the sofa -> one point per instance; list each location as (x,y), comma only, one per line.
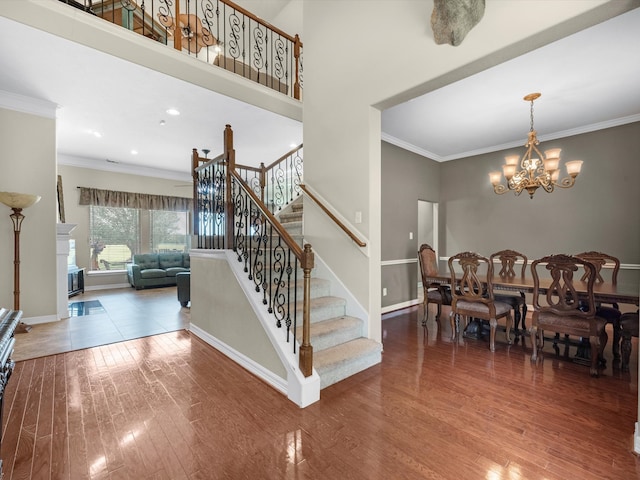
(156,269)
(183,281)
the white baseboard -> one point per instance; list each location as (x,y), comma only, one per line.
(107,287)
(258,370)
(400,306)
(39,320)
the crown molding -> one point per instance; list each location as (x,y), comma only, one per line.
(103,165)
(594,127)
(30,105)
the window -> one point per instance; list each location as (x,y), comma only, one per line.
(116,234)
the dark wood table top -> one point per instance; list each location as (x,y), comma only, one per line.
(603,292)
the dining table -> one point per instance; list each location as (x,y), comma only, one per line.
(619,293)
(626,293)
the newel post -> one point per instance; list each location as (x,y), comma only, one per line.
(296,54)
(195,162)
(305,361)
(230,155)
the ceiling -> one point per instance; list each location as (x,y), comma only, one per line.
(588,81)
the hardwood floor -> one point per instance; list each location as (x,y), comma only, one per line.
(171,407)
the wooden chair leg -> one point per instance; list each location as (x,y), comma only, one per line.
(508,329)
(595,353)
(533,333)
(625,347)
(426,313)
(616,339)
(493,323)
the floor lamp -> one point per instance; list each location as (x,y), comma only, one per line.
(17,202)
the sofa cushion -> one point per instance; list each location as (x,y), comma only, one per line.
(146,260)
(153,273)
(168,260)
(186,261)
(173,271)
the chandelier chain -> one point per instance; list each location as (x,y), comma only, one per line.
(531,127)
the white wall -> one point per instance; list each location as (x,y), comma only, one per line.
(360,56)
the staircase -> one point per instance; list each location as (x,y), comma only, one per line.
(339,347)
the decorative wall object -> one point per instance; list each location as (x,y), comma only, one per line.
(451,20)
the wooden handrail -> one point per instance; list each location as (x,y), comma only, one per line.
(306,258)
(349,233)
(286,236)
(283,157)
(261,21)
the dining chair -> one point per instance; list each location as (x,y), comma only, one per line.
(473,296)
(508,260)
(629,328)
(557,308)
(611,313)
(433,292)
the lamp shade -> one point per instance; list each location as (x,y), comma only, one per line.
(18,200)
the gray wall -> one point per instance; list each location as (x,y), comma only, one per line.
(599,213)
(406,178)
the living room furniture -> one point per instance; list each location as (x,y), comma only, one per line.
(75,281)
(9,320)
(472,297)
(183,281)
(156,269)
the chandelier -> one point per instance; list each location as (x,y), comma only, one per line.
(535,172)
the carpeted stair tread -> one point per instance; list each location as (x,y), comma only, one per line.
(323,308)
(339,362)
(333,331)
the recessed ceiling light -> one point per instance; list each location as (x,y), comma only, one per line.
(173,111)
(97,134)
(134,152)
(162,122)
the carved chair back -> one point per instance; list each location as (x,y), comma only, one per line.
(561,297)
(428,262)
(471,286)
(508,260)
(599,260)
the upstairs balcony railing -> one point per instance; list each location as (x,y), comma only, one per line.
(217,32)
(229,215)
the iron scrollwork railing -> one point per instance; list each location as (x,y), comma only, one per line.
(209,206)
(218,32)
(267,259)
(278,184)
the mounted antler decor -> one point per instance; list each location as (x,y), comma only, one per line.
(451,20)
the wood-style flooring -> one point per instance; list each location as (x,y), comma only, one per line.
(171,407)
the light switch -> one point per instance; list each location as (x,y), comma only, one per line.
(410,235)
(384,292)
(358,217)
